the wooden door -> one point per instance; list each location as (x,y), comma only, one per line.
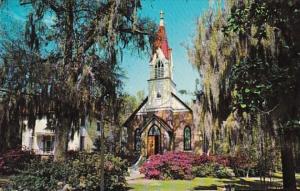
(151,145)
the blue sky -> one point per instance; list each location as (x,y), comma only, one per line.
(180,22)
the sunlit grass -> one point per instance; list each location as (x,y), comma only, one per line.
(207,183)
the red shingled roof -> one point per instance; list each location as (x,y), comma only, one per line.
(161,42)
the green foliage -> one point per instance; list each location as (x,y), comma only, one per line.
(14,160)
(41,175)
(213,170)
(81,173)
(268,72)
(70,67)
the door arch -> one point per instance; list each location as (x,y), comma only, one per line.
(153,141)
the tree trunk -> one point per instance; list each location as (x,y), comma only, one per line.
(3,133)
(247,173)
(287,159)
(102,153)
(61,140)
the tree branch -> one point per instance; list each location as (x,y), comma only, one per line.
(55,7)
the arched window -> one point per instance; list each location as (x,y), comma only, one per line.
(137,140)
(154,130)
(187,138)
(159,70)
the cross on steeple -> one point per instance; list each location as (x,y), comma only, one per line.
(161,23)
(162,14)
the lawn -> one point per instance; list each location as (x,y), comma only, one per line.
(196,184)
(204,184)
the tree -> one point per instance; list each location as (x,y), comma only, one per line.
(248,56)
(266,79)
(17,63)
(79,52)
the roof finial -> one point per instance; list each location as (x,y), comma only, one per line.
(161,23)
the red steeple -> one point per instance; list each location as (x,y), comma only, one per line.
(161,40)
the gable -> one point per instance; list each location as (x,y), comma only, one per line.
(141,108)
(156,120)
(178,105)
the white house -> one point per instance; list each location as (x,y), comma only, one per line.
(42,140)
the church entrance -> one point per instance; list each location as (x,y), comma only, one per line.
(153,141)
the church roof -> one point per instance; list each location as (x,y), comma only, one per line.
(159,120)
(135,111)
(182,102)
(161,40)
(146,100)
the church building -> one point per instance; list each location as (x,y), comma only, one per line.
(162,122)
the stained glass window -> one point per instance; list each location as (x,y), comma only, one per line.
(187,138)
(137,138)
(154,131)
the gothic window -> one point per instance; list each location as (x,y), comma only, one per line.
(137,140)
(187,138)
(159,70)
(154,130)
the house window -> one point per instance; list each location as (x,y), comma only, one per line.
(48,143)
(98,126)
(187,138)
(81,143)
(159,70)
(82,122)
(137,140)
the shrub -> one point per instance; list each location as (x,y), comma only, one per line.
(14,160)
(41,175)
(80,173)
(218,159)
(203,170)
(223,172)
(201,159)
(221,160)
(243,165)
(181,165)
(169,166)
(212,169)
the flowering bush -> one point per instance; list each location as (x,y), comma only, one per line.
(218,159)
(169,166)
(14,160)
(181,165)
(243,165)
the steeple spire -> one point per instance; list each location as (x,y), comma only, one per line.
(161,40)
(161,23)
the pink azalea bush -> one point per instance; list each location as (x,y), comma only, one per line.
(217,159)
(180,165)
(171,165)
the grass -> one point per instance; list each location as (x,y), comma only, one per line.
(207,183)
